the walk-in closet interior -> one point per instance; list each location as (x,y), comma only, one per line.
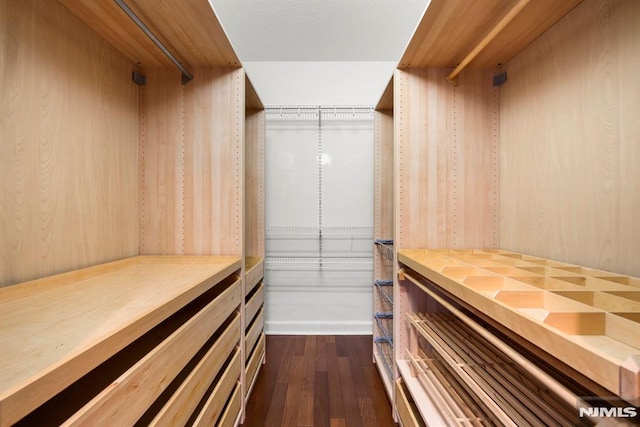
(180,246)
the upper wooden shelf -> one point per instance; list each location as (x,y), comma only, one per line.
(451,29)
(386,100)
(587,318)
(56,329)
(188,28)
(252,100)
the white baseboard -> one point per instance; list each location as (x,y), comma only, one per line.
(319,327)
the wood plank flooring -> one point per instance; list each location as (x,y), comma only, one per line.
(319,381)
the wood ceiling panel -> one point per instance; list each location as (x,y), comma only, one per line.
(450,29)
(189,29)
(534,20)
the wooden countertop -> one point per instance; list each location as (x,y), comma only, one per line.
(56,329)
(587,318)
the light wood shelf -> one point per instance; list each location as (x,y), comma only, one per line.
(600,342)
(432,44)
(57,329)
(189,27)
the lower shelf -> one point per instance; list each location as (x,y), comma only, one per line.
(470,380)
(406,407)
(427,410)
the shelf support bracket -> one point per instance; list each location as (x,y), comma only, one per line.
(506,19)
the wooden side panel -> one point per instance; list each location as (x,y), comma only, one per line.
(446,161)
(569,141)
(383,179)
(68,132)
(161,163)
(214,156)
(255,138)
(191,159)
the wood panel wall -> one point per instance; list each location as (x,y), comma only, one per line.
(383,179)
(191,162)
(570,141)
(446,159)
(68,144)
(255,140)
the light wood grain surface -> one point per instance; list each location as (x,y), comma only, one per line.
(97,312)
(191,157)
(446,166)
(569,141)
(188,28)
(178,409)
(587,337)
(68,126)
(254,173)
(450,29)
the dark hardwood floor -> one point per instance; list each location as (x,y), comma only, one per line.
(319,381)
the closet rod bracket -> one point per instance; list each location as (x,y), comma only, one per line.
(186,75)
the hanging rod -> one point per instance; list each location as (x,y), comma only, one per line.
(186,75)
(513,12)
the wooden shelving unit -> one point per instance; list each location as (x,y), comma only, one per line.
(168,162)
(583,317)
(487,163)
(254,239)
(66,333)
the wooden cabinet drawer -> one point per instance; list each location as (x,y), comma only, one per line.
(254,303)
(185,399)
(232,411)
(254,332)
(215,404)
(141,384)
(254,274)
(407,412)
(254,363)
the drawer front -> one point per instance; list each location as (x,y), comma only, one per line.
(408,418)
(253,277)
(254,333)
(230,415)
(182,404)
(215,404)
(145,381)
(254,364)
(254,304)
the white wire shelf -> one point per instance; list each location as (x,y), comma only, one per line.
(313,263)
(311,112)
(384,348)
(335,232)
(385,290)
(385,246)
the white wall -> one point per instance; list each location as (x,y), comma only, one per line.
(319,285)
(310,301)
(319,83)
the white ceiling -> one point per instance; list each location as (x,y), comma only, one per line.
(319,30)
